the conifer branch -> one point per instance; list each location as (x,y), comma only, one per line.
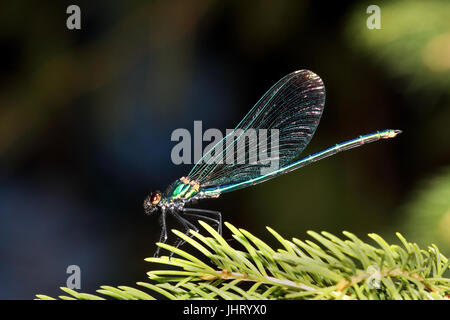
(326,268)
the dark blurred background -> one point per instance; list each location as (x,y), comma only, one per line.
(86,118)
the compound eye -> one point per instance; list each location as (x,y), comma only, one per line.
(155,198)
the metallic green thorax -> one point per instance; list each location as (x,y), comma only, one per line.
(181,190)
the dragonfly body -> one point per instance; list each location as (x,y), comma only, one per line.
(293,106)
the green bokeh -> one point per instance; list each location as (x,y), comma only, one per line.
(426,217)
(413,42)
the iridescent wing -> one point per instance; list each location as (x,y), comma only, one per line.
(293,105)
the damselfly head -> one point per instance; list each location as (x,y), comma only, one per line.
(151,202)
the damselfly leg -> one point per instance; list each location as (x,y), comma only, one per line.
(200,213)
(163,236)
(187,225)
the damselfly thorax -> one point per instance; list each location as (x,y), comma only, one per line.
(180,193)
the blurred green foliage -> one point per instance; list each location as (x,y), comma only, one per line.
(413,49)
(426,217)
(413,43)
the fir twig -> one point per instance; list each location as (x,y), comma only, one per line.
(327,268)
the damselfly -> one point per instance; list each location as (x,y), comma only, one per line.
(293,106)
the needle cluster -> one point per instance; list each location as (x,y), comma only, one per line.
(326,267)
